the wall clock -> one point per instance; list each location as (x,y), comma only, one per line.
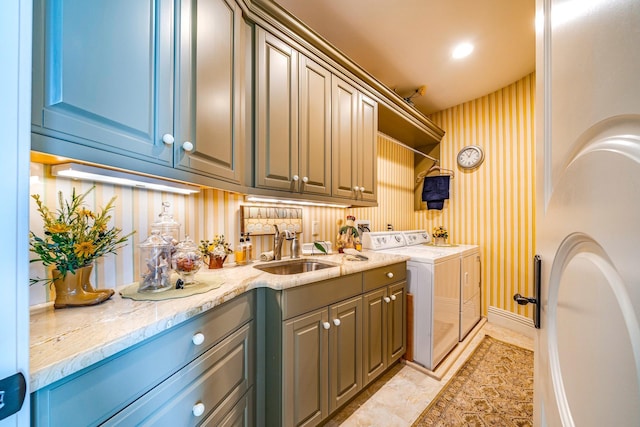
(470,157)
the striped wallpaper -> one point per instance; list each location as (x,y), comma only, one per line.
(493,205)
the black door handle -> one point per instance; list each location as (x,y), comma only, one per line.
(537,269)
(12,392)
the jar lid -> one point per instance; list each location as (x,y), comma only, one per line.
(155,240)
(165,219)
(187,245)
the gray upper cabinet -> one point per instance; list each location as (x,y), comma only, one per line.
(276,113)
(95,80)
(208,88)
(108,87)
(354,130)
(315,127)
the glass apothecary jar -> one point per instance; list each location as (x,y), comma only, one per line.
(168,227)
(155,264)
(187,260)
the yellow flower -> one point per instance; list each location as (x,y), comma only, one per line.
(86,213)
(57,227)
(84,249)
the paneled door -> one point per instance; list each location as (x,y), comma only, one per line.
(587,356)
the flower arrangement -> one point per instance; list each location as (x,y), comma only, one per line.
(74,236)
(218,247)
(440,232)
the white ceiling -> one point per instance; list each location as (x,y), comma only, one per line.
(407,43)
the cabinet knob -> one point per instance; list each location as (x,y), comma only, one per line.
(295,177)
(356,188)
(198,409)
(305,179)
(387,299)
(187,146)
(393,297)
(336,322)
(167,138)
(326,325)
(390,275)
(197,338)
(361,189)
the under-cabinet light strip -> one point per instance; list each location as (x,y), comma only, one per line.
(92,173)
(294,202)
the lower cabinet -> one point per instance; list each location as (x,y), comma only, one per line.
(324,342)
(385,322)
(323,362)
(200,372)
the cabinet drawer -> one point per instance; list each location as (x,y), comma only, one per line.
(216,381)
(303,299)
(383,276)
(97,393)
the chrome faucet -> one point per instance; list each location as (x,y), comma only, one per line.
(278,240)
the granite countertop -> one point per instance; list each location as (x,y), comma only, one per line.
(67,340)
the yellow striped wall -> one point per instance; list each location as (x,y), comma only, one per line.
(493,206)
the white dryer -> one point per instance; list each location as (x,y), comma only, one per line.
(470,278)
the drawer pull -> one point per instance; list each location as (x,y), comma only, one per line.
(198,409)
(336,322)
(387,299)
(390,275)
(393,297)
(198,338)
(326,325)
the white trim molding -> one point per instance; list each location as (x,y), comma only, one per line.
(515,322)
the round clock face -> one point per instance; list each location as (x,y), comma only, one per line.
(470,157)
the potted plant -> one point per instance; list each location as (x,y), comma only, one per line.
(74,237)
(440,236)
(215,252)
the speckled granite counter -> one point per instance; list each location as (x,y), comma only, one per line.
(65,341)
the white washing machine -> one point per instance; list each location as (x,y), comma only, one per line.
(433,278)
(470,279)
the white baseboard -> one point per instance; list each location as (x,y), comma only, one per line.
(515,322)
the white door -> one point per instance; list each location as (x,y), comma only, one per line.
(587,358)
(15,119)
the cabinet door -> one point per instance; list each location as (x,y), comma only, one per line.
(344,133)
(374,330)
(207,88)
(102,76)
(276,113)
(367,147)
(305,360)
(396,322)
(345,351)
(315,128)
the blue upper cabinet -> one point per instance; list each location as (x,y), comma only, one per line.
(103,74)
(153,86)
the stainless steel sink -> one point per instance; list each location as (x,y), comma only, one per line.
(296,266)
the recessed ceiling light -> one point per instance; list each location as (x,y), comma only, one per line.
(462,50)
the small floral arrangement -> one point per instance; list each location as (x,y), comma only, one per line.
(216,248)
(74,236)
(440,232)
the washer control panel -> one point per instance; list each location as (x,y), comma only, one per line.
(378,240)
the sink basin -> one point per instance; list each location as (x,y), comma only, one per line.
(294,266)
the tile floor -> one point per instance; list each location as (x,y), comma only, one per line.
(402,393)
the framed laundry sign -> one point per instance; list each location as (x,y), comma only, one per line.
(261,220)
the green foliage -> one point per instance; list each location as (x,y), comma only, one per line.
(74,236)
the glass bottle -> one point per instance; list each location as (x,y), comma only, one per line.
(241,251)
(249,252)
